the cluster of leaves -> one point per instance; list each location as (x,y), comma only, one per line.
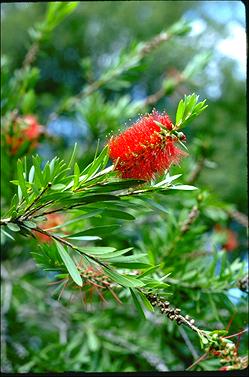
(55,189)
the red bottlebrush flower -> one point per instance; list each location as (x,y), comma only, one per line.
(34,130)
(53,219)
(145,148)
(25,129)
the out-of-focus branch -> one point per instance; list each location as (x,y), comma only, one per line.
(184,227)
(131,60)
(151,358)
(196,171)
(31,55)
(240,217)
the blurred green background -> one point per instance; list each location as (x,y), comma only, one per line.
(41,333)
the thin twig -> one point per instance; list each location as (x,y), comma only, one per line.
(203,357)
(26,211)
(196,171)
(63,241)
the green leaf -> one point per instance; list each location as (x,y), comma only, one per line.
(124,280)
(58,187)
(129,258)
(95,198)
(69,263)
(180,112)
(146,302)
(168,180)
(117,185)
(31,174)
(46,173)
(137,303)
(102,230)
(7,234)
(129,265)
(21,179)
(97,164)
(19,191)
(115,253)
(72,156)
(30,224)
(38,178)
(84,238)
(148,271)
(13,227)
(183,187)
(76,175)
(188,109)
(97,250)
(56,13)
(118,214)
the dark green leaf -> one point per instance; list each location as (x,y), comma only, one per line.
(69,263)
(137,303)
(146,302)
(99,230)
(118,214)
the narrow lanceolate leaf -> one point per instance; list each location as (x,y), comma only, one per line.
(167,180)
(30,224)
(97,250)
(126,281)
(137,303)
(118,214)
(72,156)
(116,253)
(84,238)
(76,175)
(118,185)
(31,174)
(96,165)
(13,227)
(145,301)
(98,230)
(21,179)
(7,234)
(69,263)
(183,187)
(38,177)
(180,112)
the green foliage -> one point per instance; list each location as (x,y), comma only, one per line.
(188,109)
(103,245)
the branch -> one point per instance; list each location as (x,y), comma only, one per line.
(31,55)
(66,243)
(174,313)
(240,217)
(196,171)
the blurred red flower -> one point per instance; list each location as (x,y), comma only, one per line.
(231,242)
(145,148)
(53,219)
(24,129)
